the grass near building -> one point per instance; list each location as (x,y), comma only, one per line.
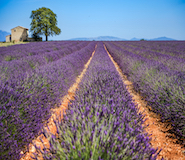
(6,44)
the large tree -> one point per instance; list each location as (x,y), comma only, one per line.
(44,22)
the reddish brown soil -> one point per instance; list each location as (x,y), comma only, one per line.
(159,139)
(57,111)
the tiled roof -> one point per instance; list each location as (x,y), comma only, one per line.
(20,27)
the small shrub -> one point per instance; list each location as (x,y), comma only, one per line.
(9,58)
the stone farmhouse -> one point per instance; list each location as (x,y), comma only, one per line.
(19,34)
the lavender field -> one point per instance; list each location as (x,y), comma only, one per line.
(33,82)
(157,70)
(102,122)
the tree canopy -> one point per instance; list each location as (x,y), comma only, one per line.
(44,22)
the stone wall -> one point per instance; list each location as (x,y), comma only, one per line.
(8,38)
(19,34)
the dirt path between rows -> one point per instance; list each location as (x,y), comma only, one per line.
(156,129)
(57,112)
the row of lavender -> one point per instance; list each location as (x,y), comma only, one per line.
(173,62)
(102,122)
(29,49)
(162,87)
(25,101)
(41,55)
(173,48)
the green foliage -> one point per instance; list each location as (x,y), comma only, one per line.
(32,65)
(136,65)
(9,58)
(44,22)
(36,37)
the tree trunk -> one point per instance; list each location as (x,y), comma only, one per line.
(46,33)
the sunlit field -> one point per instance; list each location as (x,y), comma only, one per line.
(102,121)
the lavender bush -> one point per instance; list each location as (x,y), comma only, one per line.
(162,87)
(102,122)
(173,62)
(36,48)
(173,48)
(25,101)
(40,56)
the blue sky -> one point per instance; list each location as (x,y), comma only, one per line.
(92,18)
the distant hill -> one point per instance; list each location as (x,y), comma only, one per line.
(162,39)
(154,39)
(101,38)
(3,35)
(111,38)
